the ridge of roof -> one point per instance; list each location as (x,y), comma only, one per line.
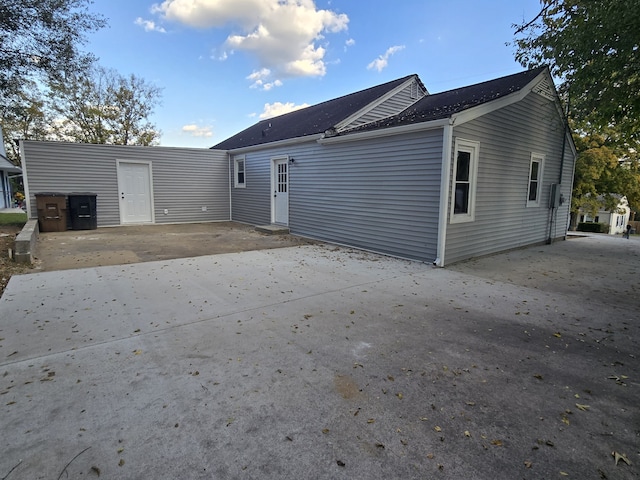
(311,120)
(444,104)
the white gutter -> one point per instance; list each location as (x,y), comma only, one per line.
(276,144)
(231,186)
(445,177)
(384,132)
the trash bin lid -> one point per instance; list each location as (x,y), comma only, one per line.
(50,194)
(82,194)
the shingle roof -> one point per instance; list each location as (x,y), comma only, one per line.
(444,104)
(310,120)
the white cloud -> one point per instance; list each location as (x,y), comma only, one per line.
(278,108)
(196,131)
(382,61)
(283,35)
(149,25)
(350,43)
(261,78)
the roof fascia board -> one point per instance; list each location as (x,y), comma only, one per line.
(493,105)
(278,143)
(374,104)
(385,132)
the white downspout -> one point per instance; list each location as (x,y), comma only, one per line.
(445,178)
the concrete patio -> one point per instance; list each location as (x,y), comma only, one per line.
(325,362)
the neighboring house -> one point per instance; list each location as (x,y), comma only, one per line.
(438,178)
(393,169)
(6,169)
(133,184)
(616,219)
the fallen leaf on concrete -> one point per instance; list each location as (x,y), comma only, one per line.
(620,456)
(528,464)
(325,430)
(497,443)
(430,456)
(564,474)
(95,470)
(467,433)
(437,428)
(538,376)
(557,335)
(371,420)
(584,408)
(121,462)
(137,352)
(399,395)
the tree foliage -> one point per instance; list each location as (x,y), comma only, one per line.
(24,115)
(42,38)
(104,107)
(593,46)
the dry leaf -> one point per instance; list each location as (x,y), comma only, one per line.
(430,456)
(467,433)
(497,443)
(95,470)
(584,408)
(325,430)
(437,428)
(528,464)
(137,352)
(424,419)
(121,462)
(565,420)
(371,420)
(120,450)
(399,395)
(620,456)
(538,376)
(557,335)
(564,474)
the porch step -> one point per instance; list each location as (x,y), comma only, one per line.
(273,229)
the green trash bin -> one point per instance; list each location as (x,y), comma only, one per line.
(52,211)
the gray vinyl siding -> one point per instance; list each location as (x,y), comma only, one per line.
(252,204)
(184,179)
(392,106)
(502,219)
(377,194)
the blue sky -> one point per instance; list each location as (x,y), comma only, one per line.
(225,64)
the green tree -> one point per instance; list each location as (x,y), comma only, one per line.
(42,38)
(593,47)
(24,116)
(104,107)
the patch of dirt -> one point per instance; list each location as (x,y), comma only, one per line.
(8,267)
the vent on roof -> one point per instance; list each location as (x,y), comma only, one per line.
(545,89)
(414,90)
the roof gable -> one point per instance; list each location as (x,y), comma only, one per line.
(312,120)
(446,104)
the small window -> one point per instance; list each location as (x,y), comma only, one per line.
(239,172)
(535,180)
(465,170)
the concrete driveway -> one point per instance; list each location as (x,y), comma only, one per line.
(325,362)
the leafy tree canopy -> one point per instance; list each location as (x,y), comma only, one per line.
(102,106)
(41,38)
(593,46)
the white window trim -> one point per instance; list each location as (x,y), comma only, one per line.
(536,157)
(236,160)
(462,145)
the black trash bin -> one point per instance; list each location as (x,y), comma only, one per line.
(82,210)
(52,211)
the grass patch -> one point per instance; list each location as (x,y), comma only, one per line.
(17,219)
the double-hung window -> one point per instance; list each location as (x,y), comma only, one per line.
(535,180)
(465,172)
(239,174)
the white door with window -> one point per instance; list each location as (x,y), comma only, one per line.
(280,188)
(134,182)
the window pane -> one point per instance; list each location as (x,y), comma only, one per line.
(462,198)
(534,170)
(240,177)
(462,166)
(533,191)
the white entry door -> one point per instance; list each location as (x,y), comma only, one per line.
(280,187)
(134,182)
